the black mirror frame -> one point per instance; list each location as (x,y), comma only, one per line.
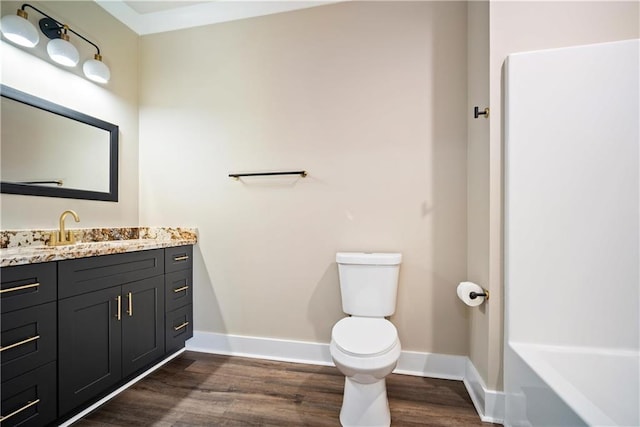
(35,190)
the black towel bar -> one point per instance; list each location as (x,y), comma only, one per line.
(239,175)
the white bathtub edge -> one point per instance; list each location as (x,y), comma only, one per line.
(488,403)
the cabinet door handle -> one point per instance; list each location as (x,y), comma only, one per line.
(181,258)
(130,297)
(119,315)
(177,328)
(17,411)
(16,344)
(19,288)
(184,288)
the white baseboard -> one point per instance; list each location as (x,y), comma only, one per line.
(488,403)
(261,348)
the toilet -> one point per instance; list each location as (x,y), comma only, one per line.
(365,346)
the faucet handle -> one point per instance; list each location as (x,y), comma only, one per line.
(71,239)
(53,239)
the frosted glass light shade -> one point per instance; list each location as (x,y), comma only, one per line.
(96,70)
(63,52)
(19,30)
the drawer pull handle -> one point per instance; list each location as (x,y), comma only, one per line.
(130,311)
(119,315)
(28,340)
(184,288)
(177,328)
(17,411)
(19,288)
(181,258)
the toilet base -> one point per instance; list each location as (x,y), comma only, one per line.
(365,404)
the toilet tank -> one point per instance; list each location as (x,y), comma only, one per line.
(368,282)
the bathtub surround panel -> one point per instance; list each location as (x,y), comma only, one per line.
(518,26)
(572,275)
(368,98)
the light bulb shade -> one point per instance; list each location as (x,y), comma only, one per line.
(63,52)
(19,30)
(96,70)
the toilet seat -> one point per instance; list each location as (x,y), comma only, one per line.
(364,336)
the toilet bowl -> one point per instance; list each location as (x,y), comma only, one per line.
(365,350)
(365,346)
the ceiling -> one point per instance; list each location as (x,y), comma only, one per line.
(157,16)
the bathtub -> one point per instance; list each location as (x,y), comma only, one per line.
(574,386)
(572,236)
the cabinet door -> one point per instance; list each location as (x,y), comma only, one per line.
(142,323)
(90,344)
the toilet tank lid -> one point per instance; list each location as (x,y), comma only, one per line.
(368,258)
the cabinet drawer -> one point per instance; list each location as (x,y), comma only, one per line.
(179,328)
(29,339)
(30,399)
(79,276)
(178,258)
(26,285)
(178,289)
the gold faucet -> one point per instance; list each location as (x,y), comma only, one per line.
(62,237)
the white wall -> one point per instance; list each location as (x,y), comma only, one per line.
(370,98)
(116,102)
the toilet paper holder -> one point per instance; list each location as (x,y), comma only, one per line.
(484,293)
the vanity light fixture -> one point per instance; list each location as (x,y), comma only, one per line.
(18,29)
(63,52)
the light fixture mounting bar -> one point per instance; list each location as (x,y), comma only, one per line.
(51,27)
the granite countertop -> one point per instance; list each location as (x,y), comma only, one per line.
(19,247)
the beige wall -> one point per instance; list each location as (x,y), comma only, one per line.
(370,98)
(518,27)
(116,102)
(478,181)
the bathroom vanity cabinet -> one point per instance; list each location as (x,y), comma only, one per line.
(178,296)
(97,321)
(29,344)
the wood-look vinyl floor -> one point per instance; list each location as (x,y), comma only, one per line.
(198,389)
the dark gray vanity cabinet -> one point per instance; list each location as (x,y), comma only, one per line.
(178,296)
(111,322)
(29,344)
(75,330)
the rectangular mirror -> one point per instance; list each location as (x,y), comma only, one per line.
(51,150)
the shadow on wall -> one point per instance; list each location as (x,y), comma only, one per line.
(325,303)
(207,315)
